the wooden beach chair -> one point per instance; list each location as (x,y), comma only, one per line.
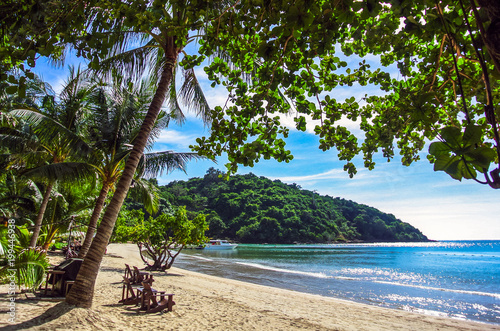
(140,276)
(129,294)
(150,302)
(128,273)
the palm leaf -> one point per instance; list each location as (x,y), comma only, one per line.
(65,171)
(131,64)
(147,193)
(17,141)
(173,103)
(192,96)
(49,130)
(167,161)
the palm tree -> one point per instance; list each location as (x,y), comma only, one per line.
(43,148)
(72,203)
(18,196)
(117,112)
(165,31)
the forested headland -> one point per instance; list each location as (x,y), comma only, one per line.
(252,209)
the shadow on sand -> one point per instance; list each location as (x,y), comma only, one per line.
(49,315)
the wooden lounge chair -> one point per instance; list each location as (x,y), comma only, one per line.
(129,296)
(128,273)
(140,276)
(150,303)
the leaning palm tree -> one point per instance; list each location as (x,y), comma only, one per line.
(118,110)
(164,30)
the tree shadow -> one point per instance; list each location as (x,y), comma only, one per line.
(113,255)
(49,315)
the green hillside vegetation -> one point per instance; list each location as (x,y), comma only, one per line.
(252,209)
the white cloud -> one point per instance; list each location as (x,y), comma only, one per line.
(175,140)
(330,174)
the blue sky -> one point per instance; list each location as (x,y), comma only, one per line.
(441,207)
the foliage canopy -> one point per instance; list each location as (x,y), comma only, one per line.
(448,64)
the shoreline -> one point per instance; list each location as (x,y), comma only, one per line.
(204,301)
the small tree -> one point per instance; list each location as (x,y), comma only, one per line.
(163,238)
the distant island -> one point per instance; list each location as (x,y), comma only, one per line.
(252,209)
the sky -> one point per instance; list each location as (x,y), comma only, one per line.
(439,206)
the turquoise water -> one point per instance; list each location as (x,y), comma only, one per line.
(458,279)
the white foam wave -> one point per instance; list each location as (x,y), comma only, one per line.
(198,257)
(312,274)
(494,295)
(346,278)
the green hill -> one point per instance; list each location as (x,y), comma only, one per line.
(252,209)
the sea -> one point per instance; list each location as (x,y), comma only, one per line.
(455,279)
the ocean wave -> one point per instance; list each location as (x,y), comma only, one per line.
(197,257)
(494,295)
(305,273)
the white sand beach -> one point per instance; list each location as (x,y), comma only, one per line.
(207,302)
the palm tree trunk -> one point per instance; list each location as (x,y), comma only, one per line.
(99,204)
(82,292)
(39,218)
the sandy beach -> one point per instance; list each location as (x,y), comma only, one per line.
(207,302)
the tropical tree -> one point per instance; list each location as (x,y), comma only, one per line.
(117,112)
(42,147)
(446,53)
(34,28)
(166,30)
(70,204)
(163,238)
(19,197)
(294,45)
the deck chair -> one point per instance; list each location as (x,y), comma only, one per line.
(128,273)
(129,296)
(140,276)
(150,302)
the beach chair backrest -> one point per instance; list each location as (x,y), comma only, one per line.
(128,271)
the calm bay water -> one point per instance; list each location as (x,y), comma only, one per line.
(458,279)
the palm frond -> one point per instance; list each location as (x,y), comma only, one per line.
(167,161)
(66,171)
(131,64)
(191,95)
(147,193)
(17,141)
(173,103)
(75,98)
(50,130)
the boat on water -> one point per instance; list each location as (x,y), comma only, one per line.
(218,244)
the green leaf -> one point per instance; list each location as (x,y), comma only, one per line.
(453,136)
(439,148)
(472,135)
(449,164)
(11,90)
(467,171)
(482,156)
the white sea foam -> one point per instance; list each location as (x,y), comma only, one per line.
(346,278)
(197,257)
(305,273)
(494,295)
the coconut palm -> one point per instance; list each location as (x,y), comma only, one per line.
(71,203)
(42,148)
(117,112)
(18,196)
(164,31)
